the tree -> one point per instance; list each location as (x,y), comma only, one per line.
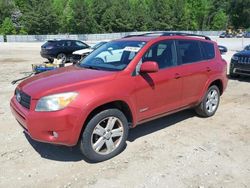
(240,13)
(7,27)
(6,7)
(39,18)
(83,22)
(117,17)
(160,14)
(219,21)
(140,15)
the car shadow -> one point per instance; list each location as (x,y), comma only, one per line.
(55,152)
(240,78)
(158,124)
(73,154)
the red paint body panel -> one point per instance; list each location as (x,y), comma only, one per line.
(147,95)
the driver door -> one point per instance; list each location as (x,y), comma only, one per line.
(160,92)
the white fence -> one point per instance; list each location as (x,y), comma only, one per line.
(1,38)
(89,37)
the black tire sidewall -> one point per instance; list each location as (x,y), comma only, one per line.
(85,143)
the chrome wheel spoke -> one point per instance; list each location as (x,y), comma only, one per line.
(116,132)
(98,144)
(212,101)
(213,94)
(110,145)
(111,123)
(210,108)
(99,130)
(107,135)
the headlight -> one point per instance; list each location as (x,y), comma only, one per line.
(235,58)
(55,102)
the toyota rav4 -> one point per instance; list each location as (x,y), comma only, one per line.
(120,85)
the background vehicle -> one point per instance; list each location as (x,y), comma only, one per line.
(123,83)
(240,63)
(79,54)
(61,49)
(247,35)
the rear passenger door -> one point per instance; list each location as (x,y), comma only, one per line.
(69,47)
(195,60)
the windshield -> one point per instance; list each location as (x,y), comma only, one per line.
(98,45)
(247,48)
(114,55)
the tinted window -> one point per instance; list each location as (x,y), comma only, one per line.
(80,44)
(247,48)
(189,51)
(163,53)
(207,50)
(68,43)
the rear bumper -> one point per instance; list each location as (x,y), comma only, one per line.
(47,55)
(40,126)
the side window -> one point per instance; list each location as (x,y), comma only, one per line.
(163,53)
(68,43)
(60,44)
(207,50)
(77,43)
(189,51)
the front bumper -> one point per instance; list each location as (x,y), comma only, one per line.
(240,68)
(41,126)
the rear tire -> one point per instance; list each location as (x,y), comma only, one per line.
(105,135)
(63,57)
(210,102)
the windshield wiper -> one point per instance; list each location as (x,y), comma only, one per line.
(90,67)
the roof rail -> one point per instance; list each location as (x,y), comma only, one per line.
(184,34)
(139,35)
(166,33)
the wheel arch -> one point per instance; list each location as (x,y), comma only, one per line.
(119,104)
(219,84)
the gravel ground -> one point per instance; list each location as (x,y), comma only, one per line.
(181,150)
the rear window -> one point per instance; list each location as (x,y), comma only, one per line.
(189,51)
(54,43)
(207,50)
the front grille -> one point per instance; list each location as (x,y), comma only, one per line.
(244,60)
(24,99)
(240,71)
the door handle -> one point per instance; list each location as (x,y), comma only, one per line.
(208,69)
(177,76)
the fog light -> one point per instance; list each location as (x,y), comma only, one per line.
(55,134)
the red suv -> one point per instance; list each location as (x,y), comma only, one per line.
(120,85)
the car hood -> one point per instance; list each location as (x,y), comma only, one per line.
(65,79)
(243,53)
(83,51)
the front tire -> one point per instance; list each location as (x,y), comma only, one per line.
(105,135)
(51,60)
(210,102)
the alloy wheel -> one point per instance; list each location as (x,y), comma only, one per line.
(107,135)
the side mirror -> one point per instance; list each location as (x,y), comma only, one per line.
(149,67)
(222,49)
